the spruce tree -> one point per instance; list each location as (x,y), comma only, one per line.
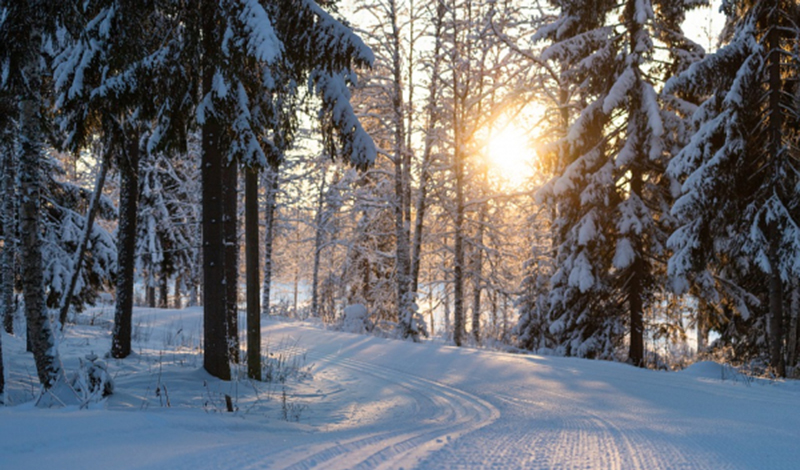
(738,203)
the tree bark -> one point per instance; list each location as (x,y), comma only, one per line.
(126,246)
(702,326)
(215,337)
(252,266)
(150,291)
(177,294)
(87,234)
(635,300)
(10,241)
(230,228)
(791,340)
(427,153)
(269,224)
(48,364)
(458,245)
(776,123)
(477,269)
(2,373)
(163,285)
(318,238)
(775,320)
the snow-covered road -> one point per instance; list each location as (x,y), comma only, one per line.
(377,403)
(431,406)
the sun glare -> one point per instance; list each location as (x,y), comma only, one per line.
(511,157)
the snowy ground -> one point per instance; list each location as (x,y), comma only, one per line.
(365,402)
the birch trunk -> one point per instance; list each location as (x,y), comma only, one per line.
(48,364)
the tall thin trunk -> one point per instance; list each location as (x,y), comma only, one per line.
(702,326)
(775,320)
(151,293)
(163,286)
(87,234)
(458,248)
(477,267)
(776,123)
(401,159)
(791,340)
(318,238)
(427,153)
(126,246)
(252,267)
(230,230)
(176,293)
(48,364)
(215,338)
(635,300)
(269,219)
(10,242)
(2,373)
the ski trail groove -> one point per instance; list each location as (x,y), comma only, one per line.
(445,412)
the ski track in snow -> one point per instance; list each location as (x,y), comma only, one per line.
(380,404)
(442,414)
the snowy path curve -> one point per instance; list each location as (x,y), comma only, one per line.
(441,414)
(544,412)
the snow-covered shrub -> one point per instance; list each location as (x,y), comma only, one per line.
(356,319)
(92,382)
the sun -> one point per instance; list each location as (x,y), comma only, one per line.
(511,156)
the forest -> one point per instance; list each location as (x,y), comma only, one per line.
(586,178)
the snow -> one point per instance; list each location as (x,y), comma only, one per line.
(376,403)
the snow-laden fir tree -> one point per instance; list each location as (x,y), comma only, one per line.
(738,205)
(612,195)
(167,241)
(64,205)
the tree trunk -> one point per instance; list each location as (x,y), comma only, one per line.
(702,327)
(177,293)
(87,234)
(126,246)
(230,228)
(776,123)
(10,241)
(458,248)
(401,157)
(269,224)
(318,238)
(163,286)
(252,266)
(427,154)
(48,364)
(775,320)
(791,340)
(2,373)
(635,300)
(477,269)
(151,293)
(215,332)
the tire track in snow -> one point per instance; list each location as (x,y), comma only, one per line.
(443,414)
